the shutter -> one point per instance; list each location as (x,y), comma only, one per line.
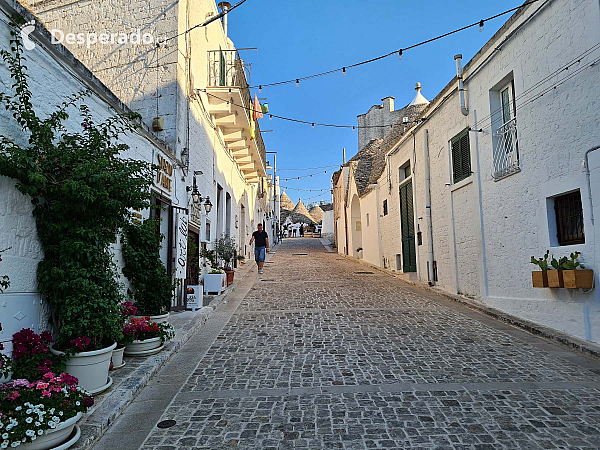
(461,157)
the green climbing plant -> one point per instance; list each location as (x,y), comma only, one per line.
(82,193)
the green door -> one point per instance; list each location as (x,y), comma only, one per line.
(409,256)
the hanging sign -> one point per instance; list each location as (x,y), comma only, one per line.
(181,245)
(195,214)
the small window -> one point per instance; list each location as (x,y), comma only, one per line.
(461,156)
(367,219)
(569,219)
(385,210)
(404,172)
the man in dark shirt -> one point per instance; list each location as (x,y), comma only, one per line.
(261,247)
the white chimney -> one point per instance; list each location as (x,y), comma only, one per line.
(224,6)
(388,103)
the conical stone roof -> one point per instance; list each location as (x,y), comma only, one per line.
(286,202)
(301,209)
(316,213)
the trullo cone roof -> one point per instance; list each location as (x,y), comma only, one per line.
(286,202)
(316,213)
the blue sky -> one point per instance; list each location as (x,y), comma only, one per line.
(301,38)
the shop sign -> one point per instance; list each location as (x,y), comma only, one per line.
(194,297)
(195,214)
(181,245)
(164,174)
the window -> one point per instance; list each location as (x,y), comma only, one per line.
(569,219)
(504,137)
(404,172)
(461,156)
(367,219)
(385,210)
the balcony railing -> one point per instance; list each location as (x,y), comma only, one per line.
(226,69)
(506,150)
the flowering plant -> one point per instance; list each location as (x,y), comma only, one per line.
(142,329)
(28,409)
(5,362)
(31,355)
(127,309)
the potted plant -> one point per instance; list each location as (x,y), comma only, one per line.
(555,277)
(147,337)
(127,310)
(82,192)
(41,414)
(574,278)
(225,249)
(539,278)
(240,259)
(150,285)
(214,280)
(31,355)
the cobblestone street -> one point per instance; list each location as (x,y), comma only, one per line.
(326,353)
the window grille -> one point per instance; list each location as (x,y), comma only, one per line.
(569,219)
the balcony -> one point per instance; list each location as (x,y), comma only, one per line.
(229,104)
(506,150)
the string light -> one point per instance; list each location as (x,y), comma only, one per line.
(481,25)
(270,117)
(343,71)
(260,89)
(400,51)
(313,125)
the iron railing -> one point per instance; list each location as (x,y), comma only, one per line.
(506,150)
(226,69)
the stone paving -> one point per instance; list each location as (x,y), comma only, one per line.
(320,355)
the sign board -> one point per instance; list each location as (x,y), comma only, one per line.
(195,214)
(181,245)
(164,173)
(194,297)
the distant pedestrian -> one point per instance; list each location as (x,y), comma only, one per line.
(261,247)
(294,231)
(301,230)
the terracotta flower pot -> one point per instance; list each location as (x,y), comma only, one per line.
(230,274)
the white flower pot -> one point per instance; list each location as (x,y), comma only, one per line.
(90,368)
(53,438)
(214,282)
(158,319)
(145,347)
(117,358)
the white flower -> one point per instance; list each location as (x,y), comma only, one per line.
(60,413)
(9,426)
(52,411)
(4,444)
(78,403)
(5,436)
(56,419)
(29,411)
(15,444)
(18,408)
(30,433)
(37,424)
(40,432)
(29,420)
(34,437)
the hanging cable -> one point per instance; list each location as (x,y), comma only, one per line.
(399,52)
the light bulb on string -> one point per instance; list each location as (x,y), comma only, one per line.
(343,71)
(353,128)
(400,54)
(259,89)
(297,82)
(481,25)
(313,125)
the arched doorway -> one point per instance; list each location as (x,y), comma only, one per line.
(356,227)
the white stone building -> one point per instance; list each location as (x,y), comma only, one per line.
(194,87)
(506,174)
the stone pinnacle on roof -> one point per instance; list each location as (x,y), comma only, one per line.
(286,202)
(316,213)
(301,209)
(419,99)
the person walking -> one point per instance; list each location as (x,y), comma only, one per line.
(261,247)
(301,230)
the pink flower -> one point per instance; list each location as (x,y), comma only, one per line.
(13,395)
(46,393)
(41,385)
(20,382)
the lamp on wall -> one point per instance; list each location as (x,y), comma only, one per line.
(196,196)
(207,204)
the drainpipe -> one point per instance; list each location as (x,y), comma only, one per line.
(587,175)
(428,207)
(461,89)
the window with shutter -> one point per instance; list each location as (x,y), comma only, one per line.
(385,208)
(461,156)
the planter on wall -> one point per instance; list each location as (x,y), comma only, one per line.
(144,348)
(61,437)
(555,278)
(539,278)
(214,282)
(162,318)
(575,279)
(90,368)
